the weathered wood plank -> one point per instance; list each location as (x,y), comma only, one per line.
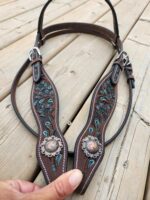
(112,149)
(142,105)
(131,171)
(18,7)
(16,129)
(4,2)
(146,14)
(88,13)
(21,25)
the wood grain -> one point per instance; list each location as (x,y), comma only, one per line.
(76,63)
(17,7)
(19,26)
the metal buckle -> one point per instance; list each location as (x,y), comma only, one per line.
(35,51)
(124,56)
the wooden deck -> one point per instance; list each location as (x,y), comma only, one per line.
(75,63)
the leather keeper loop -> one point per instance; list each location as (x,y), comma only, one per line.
(35,61)
(115,73)
(36,68)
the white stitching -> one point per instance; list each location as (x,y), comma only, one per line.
(39,138)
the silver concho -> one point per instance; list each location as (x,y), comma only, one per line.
(91,147)
(51,146)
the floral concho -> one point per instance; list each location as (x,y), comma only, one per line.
(91,147)
(51,146)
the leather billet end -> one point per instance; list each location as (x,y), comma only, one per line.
(116,71)
(36,70)
(36,63)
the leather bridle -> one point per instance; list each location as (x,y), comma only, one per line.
(89,149)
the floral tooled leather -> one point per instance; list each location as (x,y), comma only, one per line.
(51,147)
(89,148)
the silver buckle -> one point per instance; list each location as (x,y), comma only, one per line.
(33,51)
(124,56)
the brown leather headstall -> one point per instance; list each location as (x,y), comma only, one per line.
(52,149)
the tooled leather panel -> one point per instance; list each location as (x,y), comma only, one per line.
(51,146)
(89,148)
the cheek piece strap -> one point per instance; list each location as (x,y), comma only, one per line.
(52,148)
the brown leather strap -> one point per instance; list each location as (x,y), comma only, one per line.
(72,27)
(41,18)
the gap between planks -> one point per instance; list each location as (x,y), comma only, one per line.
(17,8)
(6,2)
(23,28)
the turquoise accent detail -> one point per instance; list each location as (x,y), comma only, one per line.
(101,106)
(102,99)
(58,159)
(46,91)
(53,168)
(50,101)
(37,97)
(47,124)
(91,163)
(45,133)
(41,101)
(35,103)
(91,130)
(97,107)
(49,87)
(97,123)
(105,91)
(47,106)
